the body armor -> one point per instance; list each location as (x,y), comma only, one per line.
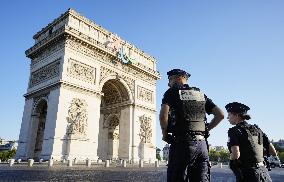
(255,147)
(190,111)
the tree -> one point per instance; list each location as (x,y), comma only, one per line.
(281,157)
(214,155)
(277,148)
(4,156)
(224,155)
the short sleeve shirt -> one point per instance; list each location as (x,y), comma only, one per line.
(171,96)
(237,136)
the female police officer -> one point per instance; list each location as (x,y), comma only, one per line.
(246,144)
(188,157)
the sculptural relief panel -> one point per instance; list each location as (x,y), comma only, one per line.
(45,73)
(81,71)
(47,52)
(145,129)
(144,94)
(110,60)
(77,117)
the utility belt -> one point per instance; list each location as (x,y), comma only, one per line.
(190,137)
(259,164)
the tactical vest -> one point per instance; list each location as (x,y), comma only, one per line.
(190,113)
(255,148)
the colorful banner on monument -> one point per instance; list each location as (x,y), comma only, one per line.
(117,44)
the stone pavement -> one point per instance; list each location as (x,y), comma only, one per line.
(115,173)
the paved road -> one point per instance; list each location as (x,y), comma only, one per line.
(113,174)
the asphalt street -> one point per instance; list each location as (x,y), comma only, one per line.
(40,172)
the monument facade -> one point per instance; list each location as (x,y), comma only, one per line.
(90,95)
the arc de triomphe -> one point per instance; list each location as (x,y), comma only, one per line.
(90,95)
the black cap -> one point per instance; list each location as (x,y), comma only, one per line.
(236,107)
(177,72)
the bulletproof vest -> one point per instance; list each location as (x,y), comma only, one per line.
(254,150)
(190,113)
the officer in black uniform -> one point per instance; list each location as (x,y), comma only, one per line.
(246,144)
(187,106)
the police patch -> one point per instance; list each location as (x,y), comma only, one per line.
(193,95)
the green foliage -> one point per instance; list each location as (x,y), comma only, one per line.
(214,155)
(4,156)
(219,156)
(281,157)
(224,155)
(277,148)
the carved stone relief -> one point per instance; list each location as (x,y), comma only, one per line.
(81,71)
(45,73)
(145,129)
(47,52)
(144,94)
(100,56)
(77,117)
(105,72)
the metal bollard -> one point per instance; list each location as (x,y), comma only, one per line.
(50,163)
(30,162)
(11,162)
(141,163)
(69,163)
(107,163)
(156,163)
(40,161)
(221,165)
(124,163)
(88,162)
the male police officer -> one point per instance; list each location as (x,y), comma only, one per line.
(188,157)
(246,144)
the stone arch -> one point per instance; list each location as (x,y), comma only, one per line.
(116,96)
(121,81)
(38,122)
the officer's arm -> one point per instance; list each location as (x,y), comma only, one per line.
(164,119)
(218,117)
(272,150)
(235,152)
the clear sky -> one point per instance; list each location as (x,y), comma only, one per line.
(233,49)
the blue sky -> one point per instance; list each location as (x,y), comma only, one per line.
(233,49)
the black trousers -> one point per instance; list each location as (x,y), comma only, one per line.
(188,161)
(255,174)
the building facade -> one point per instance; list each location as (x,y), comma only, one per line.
(90,95)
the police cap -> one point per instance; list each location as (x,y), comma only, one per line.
(178,72)
(236,107)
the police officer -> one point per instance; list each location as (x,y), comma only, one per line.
(246,144)
(188,156)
